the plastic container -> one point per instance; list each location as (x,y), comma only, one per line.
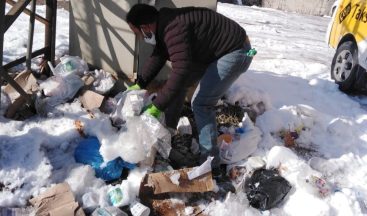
(109,211)
(138,209)
(116,196)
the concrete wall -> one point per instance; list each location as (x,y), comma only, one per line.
(311,7)
(100,35)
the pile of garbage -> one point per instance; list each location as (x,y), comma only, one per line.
(139,140)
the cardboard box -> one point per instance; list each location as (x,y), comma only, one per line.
(26,80)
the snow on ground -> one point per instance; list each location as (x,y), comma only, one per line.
(16,38)
(289,75)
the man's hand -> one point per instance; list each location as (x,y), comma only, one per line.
(152,110)
(133,87)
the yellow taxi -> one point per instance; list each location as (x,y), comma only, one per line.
(347,34)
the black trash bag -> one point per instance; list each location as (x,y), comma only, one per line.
(265,189)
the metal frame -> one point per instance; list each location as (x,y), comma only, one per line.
(6,20)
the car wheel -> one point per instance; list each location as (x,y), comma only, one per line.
(344,67)
(333,11)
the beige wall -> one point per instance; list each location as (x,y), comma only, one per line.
(312,7)
(100,35)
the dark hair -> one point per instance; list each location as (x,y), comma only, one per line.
(141,14)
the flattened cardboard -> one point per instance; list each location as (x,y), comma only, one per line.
(26,80)
(91,100)
(161,182)
(57,201)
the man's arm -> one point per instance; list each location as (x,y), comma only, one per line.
(177,39)
(151,68)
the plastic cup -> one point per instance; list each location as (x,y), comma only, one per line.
(116,196)
(138,209)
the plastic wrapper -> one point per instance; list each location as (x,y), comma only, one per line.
(87,152)
(265,189)
(200,170)
(239,144)
(70,65)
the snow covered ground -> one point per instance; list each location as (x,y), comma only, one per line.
(290,75)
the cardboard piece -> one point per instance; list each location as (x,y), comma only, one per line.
(168,208)
(88,81)
(57,201)
(19,110)
(26,80)
(91,100)
(161,182)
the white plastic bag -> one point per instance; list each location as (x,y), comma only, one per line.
(134,142)
(130,103)
(138,133)
(241,145)
(57,90)
(70,65)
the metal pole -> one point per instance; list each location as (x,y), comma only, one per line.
(30,36)
(3,73)
(2,23)
(50,32)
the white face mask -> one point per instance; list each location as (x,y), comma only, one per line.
(149,40)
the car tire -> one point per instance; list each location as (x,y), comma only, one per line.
(333,11)
(344,67)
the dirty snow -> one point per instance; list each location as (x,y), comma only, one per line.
(289,76)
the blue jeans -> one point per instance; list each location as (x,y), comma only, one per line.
(219,76)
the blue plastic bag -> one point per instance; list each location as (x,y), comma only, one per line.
(87,152)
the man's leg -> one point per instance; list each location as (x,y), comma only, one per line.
(217,79)
(173,111)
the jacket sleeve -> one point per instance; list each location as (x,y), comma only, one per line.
(177,38)
(151,68)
